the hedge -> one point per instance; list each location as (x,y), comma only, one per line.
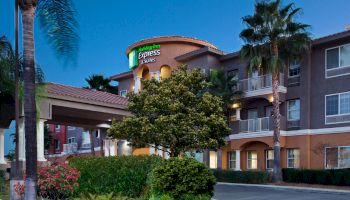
(253,177)
(2,180)
(125,175)
(339,177)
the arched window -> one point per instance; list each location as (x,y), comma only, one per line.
(165,72)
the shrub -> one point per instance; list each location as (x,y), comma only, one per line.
(2,180)
(253,177)
(125,175)
(182,176)
(57,181)
(339,177)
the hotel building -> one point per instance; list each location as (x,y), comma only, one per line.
(314,94)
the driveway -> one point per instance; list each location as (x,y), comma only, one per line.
(231,192)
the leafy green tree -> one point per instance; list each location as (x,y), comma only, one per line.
(273,39)
(100,83)
(176,114)
(58,22)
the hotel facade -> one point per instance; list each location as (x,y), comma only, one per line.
(314,94)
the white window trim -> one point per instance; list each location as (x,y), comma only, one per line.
(57,128)
(229,161)
(120,92)
(70,138)
(295,75)
(266,154)
(325,156)
(59,145)
(325,108)
(339,67)
(292,158)
(252,159)
(293,120)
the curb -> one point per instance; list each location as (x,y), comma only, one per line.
(287,187)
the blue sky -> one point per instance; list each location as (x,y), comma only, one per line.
(107,27)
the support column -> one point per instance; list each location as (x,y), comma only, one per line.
(21,140)
(40,140)
(219,158)
(137,84)
(157,75)
(238,160)
(2,147)
(238,113)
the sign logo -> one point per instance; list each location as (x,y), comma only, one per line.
(145,54)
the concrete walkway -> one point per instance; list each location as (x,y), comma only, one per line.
(231,191)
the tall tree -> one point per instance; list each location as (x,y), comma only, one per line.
(272,39)
(100,83)
(58,22)
(176,114)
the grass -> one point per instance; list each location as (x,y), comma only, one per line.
(5,191)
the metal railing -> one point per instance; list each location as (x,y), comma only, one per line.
(70,148)
(257,83)
(254,125)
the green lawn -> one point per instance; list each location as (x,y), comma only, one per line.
(5,191)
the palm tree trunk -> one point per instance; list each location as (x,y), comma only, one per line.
(28,12)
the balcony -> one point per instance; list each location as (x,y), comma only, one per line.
(260,86)
(254,125)
(71,148)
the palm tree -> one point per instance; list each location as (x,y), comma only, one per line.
(57,19)
(272,39)
(99,83)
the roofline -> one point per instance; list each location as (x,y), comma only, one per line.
(332,37)
(122,75)
(201,51)
(167,39)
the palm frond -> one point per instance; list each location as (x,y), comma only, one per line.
(59,23)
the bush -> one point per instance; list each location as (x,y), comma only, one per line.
(125,175)
(253,177)
(180,177)
(2,181)
(339,177)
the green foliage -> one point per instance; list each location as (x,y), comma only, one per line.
(125,175)
(182,176)
(100,83)
(2,181)
(324,177)
(241,176)
(110,196)
(175,113)
(184,197)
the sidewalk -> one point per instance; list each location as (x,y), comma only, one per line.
(314,189)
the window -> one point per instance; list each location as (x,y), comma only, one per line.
(293,110)
(57,128)
(71,128)
(57,144)
(269,159)
(123,93)
(294,69)
(233,74)
(337,157)
(338,104)
(252,160)
(338,57)
(71,140)
(293,158)
(97,134)
(232,160)
(213,159)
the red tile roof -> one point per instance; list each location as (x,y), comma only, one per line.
(85,94)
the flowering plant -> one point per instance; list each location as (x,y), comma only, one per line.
(19,189)
(57,181)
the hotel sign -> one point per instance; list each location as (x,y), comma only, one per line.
(144,54)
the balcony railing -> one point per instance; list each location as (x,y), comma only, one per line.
(254,125)
(258,83)
(70,148)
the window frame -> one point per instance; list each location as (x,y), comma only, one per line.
(325,156)
(57,128)
(288,149)
(58,147)
(230,160)
(288,118)
(216,159)
(121,91)
(269,159)
(252,159)
(339,67)
(70,140)
(299,70)
(325,108)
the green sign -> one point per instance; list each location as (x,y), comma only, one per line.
(145,54)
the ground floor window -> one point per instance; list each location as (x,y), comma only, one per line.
(213,159)
(232,160)
(293,158)
(57,144)
(269,159)
(252,160)
(337,157)
(71,140)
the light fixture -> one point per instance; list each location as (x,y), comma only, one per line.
(271,99)
(235,105)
